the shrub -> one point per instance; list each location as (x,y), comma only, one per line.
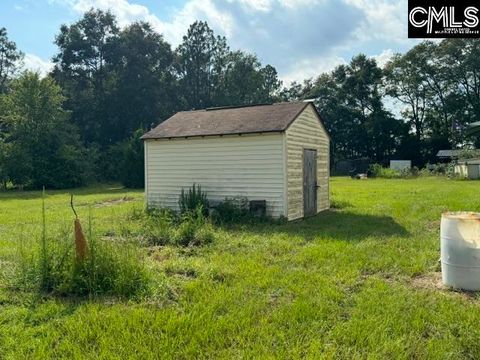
(413,172)
(232,210)
(157,226)
(236,210)
(164,227)
(194,229)
(377,170)
(437,170)
(185,233)
(442,169)
(204,235)
(193,200)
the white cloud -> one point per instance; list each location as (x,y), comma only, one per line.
(220,21)
(383,58)
(383,19)
(125,11)
(297,3)
(269,5)
(173,30)
(255,5)
(301,38)
(285,33)
(35,63)
(311,68)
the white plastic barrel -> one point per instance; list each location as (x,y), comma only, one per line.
(460,250)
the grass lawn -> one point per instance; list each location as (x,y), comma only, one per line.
(360,281)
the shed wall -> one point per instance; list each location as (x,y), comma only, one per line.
(306,132)
(473,171)
(461,170)
(248,166)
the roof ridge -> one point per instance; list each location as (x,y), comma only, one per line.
(227,107)
(236,106)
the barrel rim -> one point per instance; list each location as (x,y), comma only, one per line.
(461,215)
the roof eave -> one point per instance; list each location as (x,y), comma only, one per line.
(146,137)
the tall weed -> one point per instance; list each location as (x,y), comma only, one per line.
(111,267)
(193,199)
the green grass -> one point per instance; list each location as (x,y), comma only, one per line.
(340,285)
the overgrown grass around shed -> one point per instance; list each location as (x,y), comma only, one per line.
(358,281)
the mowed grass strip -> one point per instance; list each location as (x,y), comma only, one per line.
(338,285)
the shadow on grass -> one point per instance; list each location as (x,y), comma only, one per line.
(337,225)
(340,204)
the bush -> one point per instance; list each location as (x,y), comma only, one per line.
(436,170)
(192,200)
(194,229)
(236,210)
(164,227)
(232,210)
(157,226)
(377,170)
(442,169)
(114,268)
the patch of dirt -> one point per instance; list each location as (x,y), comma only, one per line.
(433,225)
(182,273)
(432,281)
(112,202)
(160,254)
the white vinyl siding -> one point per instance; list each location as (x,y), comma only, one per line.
(306,132)
(250,166)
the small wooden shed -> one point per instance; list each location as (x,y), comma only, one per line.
(277,152)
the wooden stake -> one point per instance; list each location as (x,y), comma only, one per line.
(81,246)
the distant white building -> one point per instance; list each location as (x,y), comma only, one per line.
(400,165)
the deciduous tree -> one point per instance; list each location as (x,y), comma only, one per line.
(43,148)
(10,60)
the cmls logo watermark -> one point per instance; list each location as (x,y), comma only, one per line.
(443,19)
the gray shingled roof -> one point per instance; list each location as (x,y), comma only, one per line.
(456,153)
(224,121)
(447,153)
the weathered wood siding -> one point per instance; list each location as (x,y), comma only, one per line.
(306,132)
(250,166)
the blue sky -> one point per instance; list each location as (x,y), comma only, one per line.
(301,38)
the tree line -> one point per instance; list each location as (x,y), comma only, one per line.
(433,89)
(82,123)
